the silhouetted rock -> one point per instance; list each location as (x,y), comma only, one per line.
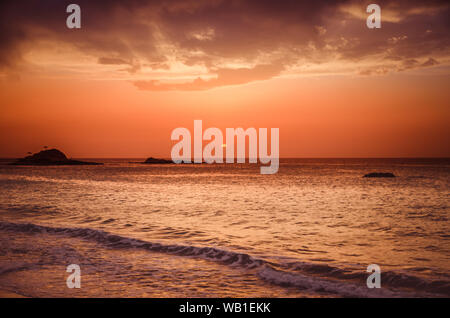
(49,158)
(152,160)
(379,175)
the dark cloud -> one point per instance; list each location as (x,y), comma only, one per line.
(108,28)
(271,34)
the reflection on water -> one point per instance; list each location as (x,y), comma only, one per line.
(311,229)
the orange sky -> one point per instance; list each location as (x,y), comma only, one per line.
(350,93)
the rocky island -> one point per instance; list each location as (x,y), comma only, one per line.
(152,160)
(51,157)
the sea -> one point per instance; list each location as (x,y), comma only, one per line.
(225,230)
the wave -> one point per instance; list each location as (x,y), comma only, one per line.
(392,279)
(319,278)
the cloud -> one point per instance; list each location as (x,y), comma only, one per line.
(398,66)
(111,61)
(132,68)
(430,62)
(238,41)
(224,77)
(374,71)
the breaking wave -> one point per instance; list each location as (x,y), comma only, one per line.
(318,278)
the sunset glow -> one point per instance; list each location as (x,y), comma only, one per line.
(224,156)
(120,84)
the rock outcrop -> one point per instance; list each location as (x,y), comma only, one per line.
(51,157)
(152,160)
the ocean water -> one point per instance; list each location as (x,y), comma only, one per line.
(310,230)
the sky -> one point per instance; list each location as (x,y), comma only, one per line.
(138,69)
